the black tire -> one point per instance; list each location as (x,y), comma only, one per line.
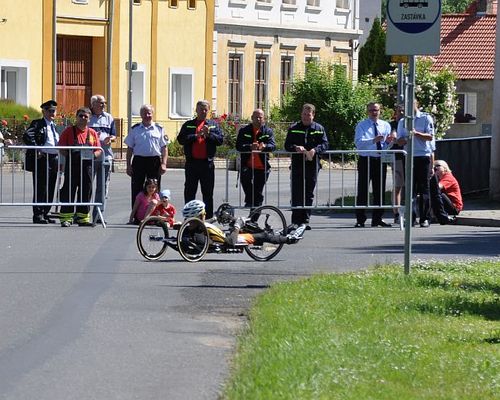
(270,220)
(192,240)
(152,238)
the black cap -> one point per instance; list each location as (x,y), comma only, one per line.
(49,104)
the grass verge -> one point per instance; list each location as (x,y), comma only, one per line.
(375,335)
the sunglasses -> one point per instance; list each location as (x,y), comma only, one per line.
(374,109)
(52,110)
(164,198)
(437,166)
(84,116)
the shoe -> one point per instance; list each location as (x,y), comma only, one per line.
(39,220)
(359,225)
(381,223)
(452,219)
(50,220)
(297,234)
(308,227)
(397,219)
(425,224)
(98,222)
(89,224)
(65,224)
(292,227)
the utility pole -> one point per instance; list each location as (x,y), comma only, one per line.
(495,131)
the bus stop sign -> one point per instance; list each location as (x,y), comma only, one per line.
(413,27)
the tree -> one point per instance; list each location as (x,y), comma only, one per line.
(447,6)
(435,92)
(340,104)
(372,57)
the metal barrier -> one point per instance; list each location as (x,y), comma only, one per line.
(18,187)
(335,190)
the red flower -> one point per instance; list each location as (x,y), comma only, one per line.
(26,117)
(223,117)
(4,122)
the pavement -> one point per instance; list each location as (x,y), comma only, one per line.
(479,210)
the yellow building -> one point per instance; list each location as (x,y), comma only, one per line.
(71,49)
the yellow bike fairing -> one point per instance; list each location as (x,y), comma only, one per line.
(215,233)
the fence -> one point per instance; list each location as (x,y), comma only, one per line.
(336,188)
(469,158)
(18,187)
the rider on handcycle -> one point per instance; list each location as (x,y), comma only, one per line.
(235,236)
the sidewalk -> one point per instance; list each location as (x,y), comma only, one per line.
(480,211)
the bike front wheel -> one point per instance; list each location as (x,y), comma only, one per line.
(151,238)
(268,220)
(192,240)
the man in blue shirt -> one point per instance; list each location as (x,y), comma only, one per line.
(104,124)
(371,134)
(423,149)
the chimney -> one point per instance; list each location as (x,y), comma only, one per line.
(492,7)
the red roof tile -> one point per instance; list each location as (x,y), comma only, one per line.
(468,45)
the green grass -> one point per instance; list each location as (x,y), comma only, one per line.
(375,335)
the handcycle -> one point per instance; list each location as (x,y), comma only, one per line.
(265,229)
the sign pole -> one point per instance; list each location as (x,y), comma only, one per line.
(409,115)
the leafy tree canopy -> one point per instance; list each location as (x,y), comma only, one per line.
(340,104)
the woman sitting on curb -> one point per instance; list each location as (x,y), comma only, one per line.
(446,197)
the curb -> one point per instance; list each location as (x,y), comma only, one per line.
(475,221)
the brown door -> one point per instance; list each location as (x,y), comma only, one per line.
(74,72)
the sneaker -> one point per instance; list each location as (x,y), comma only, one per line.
(298,232)
(65,224)
(89,224)
(425,224)
(292,227)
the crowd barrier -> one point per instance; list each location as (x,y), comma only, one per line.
(336,187)
(19,188)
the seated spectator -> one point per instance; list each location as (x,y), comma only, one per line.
(446,197)
(143,200)
(163,208)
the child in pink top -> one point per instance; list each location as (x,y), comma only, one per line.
(148,197)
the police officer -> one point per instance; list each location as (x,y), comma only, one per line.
(104,124)
(43,163)
(308,140)
(147,151)
(200,138)
(254,141)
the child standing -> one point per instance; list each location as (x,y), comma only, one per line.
(163,208)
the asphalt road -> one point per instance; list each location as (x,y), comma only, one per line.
(83,316)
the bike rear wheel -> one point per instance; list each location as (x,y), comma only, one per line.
(192,240)
(151,238)
(269,220)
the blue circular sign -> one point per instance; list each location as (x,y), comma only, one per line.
(413,16)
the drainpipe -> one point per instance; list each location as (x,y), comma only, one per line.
(111,11)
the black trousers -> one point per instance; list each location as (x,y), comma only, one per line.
(144,168)
(442,207)
(253,182)
(202,172)
(421,191)
(77,186)
(371,169)
(44,182)
(304,177)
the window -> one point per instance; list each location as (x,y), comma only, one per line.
(14,82)
(181,92)
(192,4)
(137,2)
(174,3)
(261,81)
(138,89)
(81,1)
(264,1)
(313,3)
(290,2)
(234,95)
(286,74)
(342,4)
(467,108)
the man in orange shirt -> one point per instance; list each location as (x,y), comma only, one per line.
(255,141)
(200,138)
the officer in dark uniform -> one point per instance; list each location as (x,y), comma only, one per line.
(147,151)
(42,163)
(200,138)
(308,139)
(255,141)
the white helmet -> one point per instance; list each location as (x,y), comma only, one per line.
(194,208)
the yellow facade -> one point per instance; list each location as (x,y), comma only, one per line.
(166,41)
